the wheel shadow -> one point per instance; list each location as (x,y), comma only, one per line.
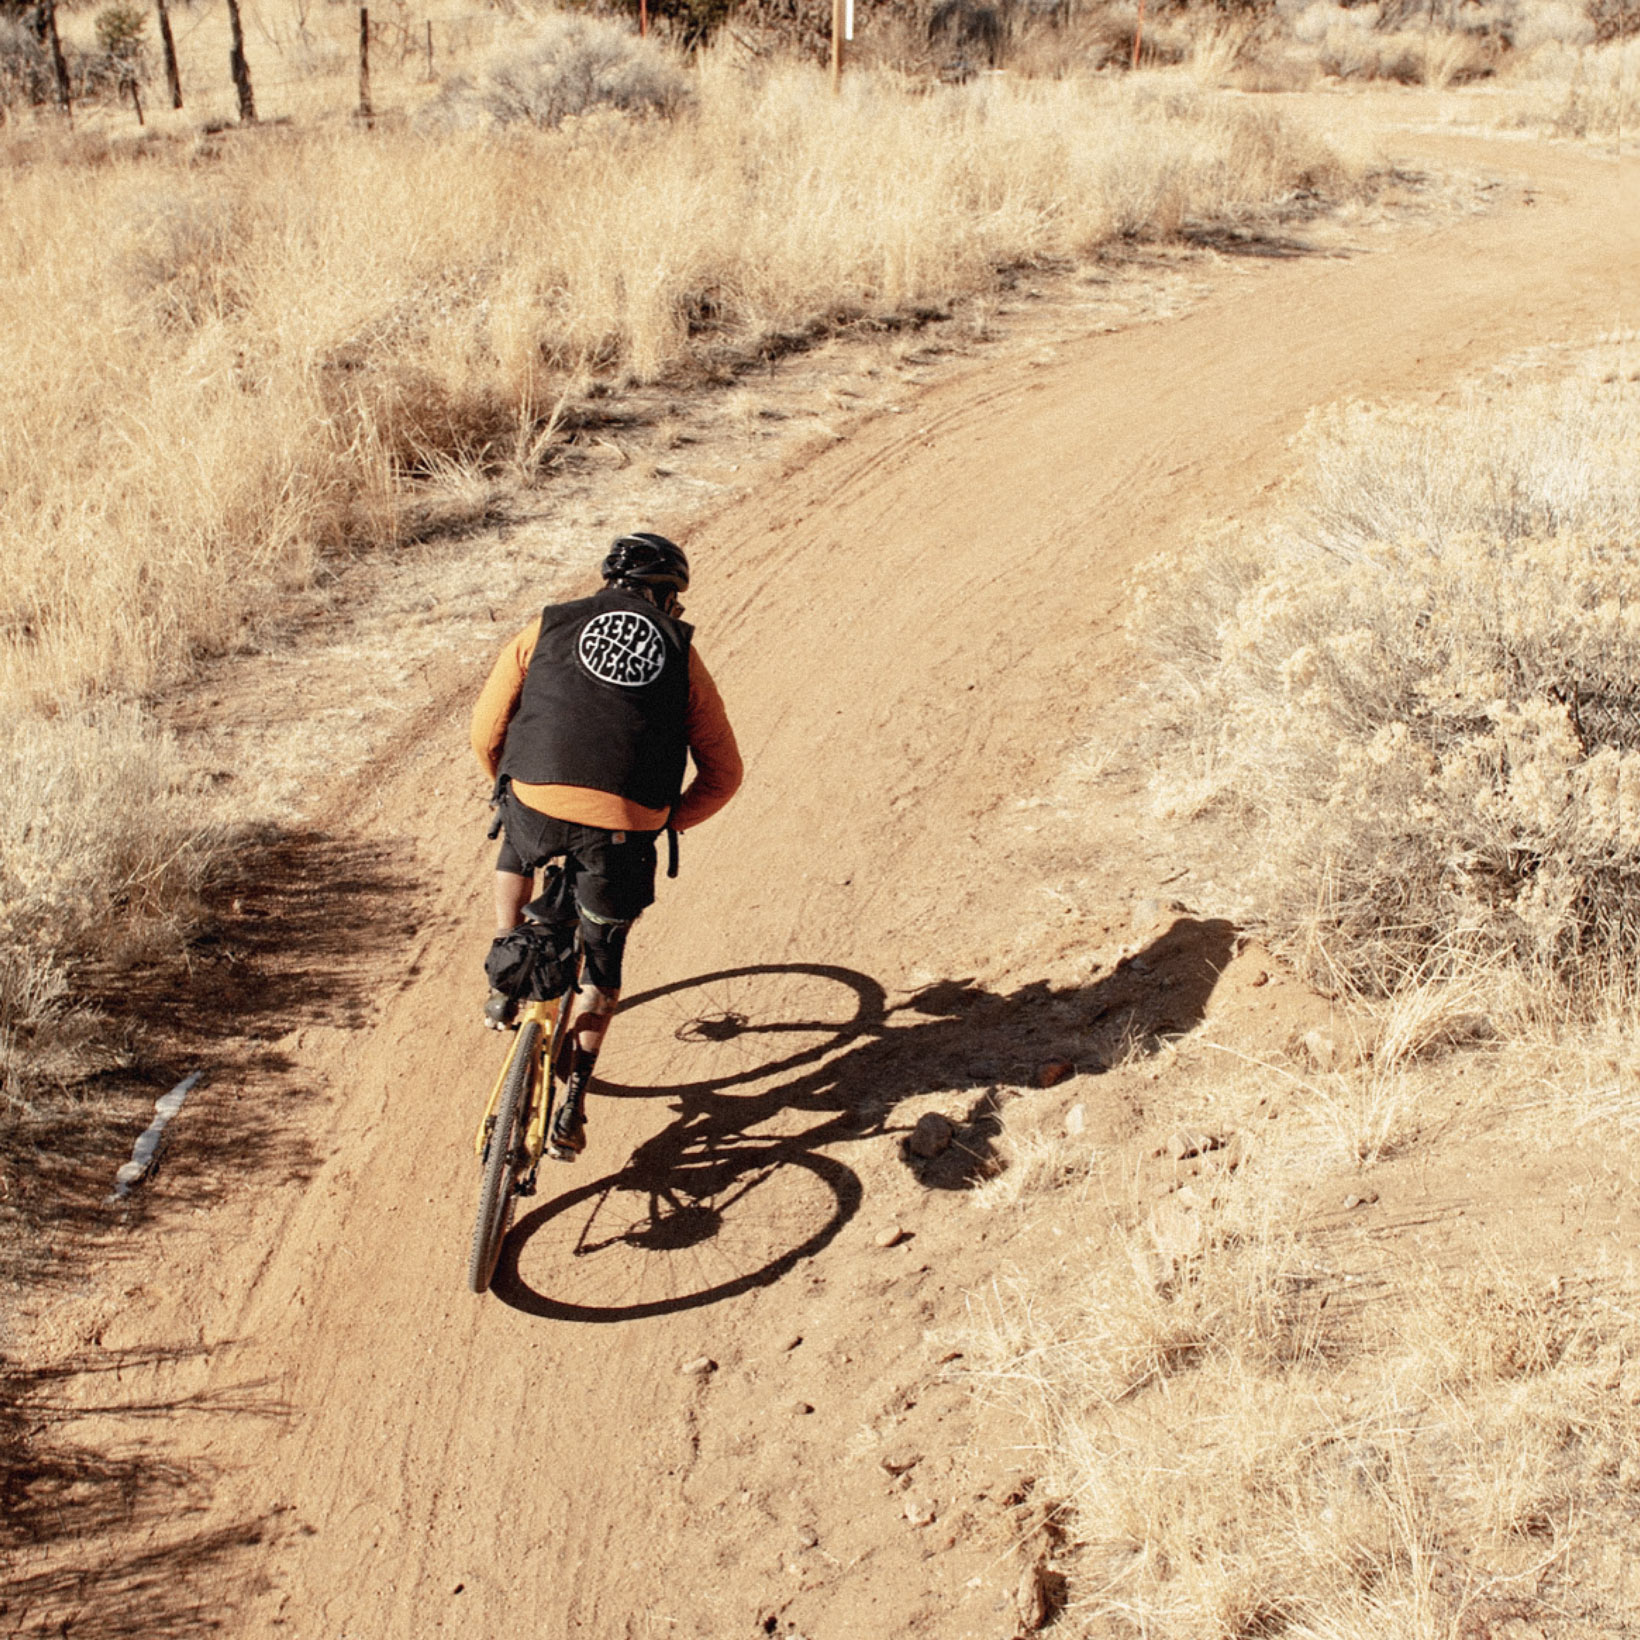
(769,1067)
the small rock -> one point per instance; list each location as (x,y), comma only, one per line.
(1031,1598)
(920,1511)
(1322,1050)
(898,1460)
(1363,1198)
(1175,1231)
(1183,1145)
(700,1367)
(1052,1071)
(801,1409)
(891,1235)
(792,1342)
(931,1136)
(807,1537)
(1260,978)
(1147,913)
(1076,1119)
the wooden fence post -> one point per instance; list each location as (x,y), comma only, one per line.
(240,68)
(365,111)
(836,45)
(168,44)
(429,48)
(59,64)
(136,98)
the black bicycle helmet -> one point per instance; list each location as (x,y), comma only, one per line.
(646,560)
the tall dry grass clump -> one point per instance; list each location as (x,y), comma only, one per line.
(1422,690)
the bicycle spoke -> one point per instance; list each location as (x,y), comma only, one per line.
(629,1247)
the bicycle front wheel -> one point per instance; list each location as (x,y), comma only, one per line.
(503,1160)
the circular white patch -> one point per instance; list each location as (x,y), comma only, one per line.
(622,647)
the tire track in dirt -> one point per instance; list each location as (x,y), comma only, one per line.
(913,631)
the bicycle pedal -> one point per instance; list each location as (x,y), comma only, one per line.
(559,1154)
(526,1185)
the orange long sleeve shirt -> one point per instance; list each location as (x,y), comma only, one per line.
(718,769)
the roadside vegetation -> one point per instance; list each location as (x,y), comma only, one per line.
(1410,702)
(234,358)
(1420,692)
(227,362)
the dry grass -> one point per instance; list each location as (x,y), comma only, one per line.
(1421,687)
(1253,1428)
(264,346)
(1601,96)
(231,360)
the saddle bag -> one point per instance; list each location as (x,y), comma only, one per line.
(532,962)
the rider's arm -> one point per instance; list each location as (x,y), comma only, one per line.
(718,769)
(499,698)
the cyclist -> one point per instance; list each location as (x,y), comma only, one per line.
(586,725)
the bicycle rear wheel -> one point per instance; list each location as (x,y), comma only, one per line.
(502,1161)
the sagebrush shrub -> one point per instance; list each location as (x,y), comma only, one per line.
(1423,693)
(571,65)
(1603,98)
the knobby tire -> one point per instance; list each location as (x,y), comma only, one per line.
(496,1196)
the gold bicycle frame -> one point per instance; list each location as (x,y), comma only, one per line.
(546,1044)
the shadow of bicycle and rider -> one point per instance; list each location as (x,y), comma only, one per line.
(768,1069)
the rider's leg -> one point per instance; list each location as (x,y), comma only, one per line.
(512,893)
(615,882)
(603,944)
(524,843)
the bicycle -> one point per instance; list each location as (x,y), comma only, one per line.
(512,1135)
(714,1203)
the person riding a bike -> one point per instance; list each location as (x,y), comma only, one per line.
(586,724)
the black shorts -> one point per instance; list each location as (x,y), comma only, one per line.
(613,874)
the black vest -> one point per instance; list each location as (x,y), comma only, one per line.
(605,701)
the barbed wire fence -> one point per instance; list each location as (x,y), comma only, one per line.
(221,60)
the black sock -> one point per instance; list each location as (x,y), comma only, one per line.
(580,1073)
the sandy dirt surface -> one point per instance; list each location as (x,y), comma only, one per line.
(307,1424)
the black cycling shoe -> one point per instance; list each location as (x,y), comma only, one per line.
(567,1137)
(501,1011)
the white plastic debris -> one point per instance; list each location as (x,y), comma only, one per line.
(145,1152)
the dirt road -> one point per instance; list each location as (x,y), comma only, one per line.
(914,632)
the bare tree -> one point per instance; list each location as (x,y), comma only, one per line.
(168,45)
(241,69)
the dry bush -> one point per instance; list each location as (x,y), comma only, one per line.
(1535,23)
(1366,43)
(1558,83)
(568,66)
(1424,689)
(1602,97)
(103,836)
